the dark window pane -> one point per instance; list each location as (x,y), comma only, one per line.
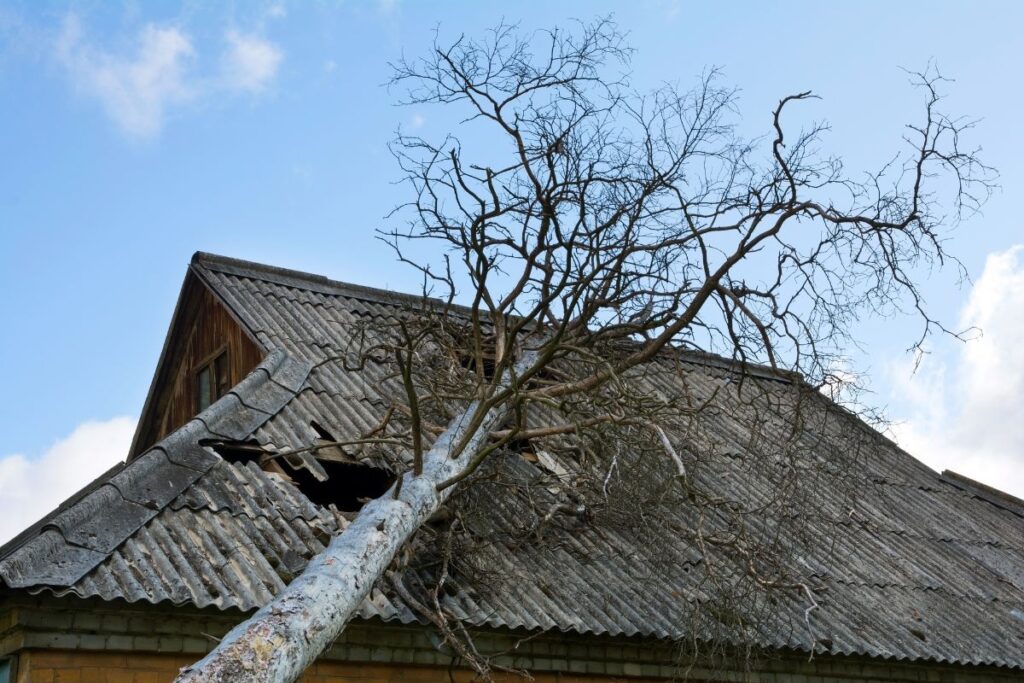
(220,370)
(204,396)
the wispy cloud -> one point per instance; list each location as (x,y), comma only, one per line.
(964,413)
(136,90)
(32,487)
(250,62)
(141,88)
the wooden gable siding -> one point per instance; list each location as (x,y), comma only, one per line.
(202,328)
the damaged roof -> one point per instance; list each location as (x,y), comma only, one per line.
(921,567)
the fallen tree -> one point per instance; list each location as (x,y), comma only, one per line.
(599,230)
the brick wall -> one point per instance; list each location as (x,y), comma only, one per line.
(69,666)
(50,666)
(89,641)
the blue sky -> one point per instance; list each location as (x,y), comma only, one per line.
(134,134)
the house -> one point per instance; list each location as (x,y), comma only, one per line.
(919,577)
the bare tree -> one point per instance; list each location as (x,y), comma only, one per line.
(593,233)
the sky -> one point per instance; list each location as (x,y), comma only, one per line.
(134,134)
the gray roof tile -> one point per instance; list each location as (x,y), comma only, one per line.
(102,520)
(153,480)
(47,559)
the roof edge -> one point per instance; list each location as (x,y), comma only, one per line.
(30,532)
(147,406)
(989,494)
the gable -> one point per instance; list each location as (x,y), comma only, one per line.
(202,331)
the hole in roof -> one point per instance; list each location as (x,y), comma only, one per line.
(524,448)
(235,451)
(488,362)
(348,486)
(320,431)
(349,483)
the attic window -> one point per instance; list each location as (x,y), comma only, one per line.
(212,380)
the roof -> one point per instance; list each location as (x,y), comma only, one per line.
(915,567)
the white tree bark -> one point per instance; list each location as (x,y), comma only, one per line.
(283,638)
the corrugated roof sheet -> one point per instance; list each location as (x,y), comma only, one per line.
(915,568)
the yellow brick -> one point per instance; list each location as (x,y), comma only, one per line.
(144,662)
(415,674)
(328,669)
(51,659)
(41,675)
(58,659)
(92,674)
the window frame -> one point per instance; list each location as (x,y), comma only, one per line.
(218,365)
(11,674)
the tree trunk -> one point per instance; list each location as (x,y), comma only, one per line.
(284,637)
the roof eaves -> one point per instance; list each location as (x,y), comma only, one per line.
(31,532)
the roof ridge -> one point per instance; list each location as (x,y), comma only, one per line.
(319,283)
(301,279)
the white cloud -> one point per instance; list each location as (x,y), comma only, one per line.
(670,9)
(140,88)
(250,62)
(966,413)
(32,487)
(417,121)
(136,90)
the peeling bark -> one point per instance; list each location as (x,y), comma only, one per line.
(283,638)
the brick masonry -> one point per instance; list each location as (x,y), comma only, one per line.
(88,641)
(91,667)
